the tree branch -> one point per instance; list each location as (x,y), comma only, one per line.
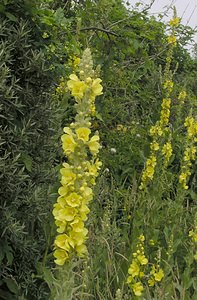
(99,29)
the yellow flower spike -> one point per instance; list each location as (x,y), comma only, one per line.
(83,134)
(79,173)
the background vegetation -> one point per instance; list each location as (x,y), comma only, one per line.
(38,42)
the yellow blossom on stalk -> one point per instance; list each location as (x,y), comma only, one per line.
(137,288)
(167,151)
(190,151)
(78,174)
(174,22)
(182,95)
(76,61)
(154,146)
(61,256)
(83,133)
(156,130)
(96,88)
(76,86)
(161,129)
(172,40)
(168,85)
(139,271)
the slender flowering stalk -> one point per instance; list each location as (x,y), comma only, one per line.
(140,273)
(160,130)
(78,174)
(190,151)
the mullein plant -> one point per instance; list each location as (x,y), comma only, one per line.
(189,152)
(79,172)
(141,271)
(160,131)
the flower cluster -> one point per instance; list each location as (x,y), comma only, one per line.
(138,270)
(190,151)
(160,130)
(78,174)
(182,95)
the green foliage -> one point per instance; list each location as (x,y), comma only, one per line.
(28,121)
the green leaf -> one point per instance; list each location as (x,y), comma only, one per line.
(9,257)
(26,158)
(12,285)
(11,17)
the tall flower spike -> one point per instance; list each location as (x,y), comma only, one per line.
(159,131)
(78,175)
(190,151)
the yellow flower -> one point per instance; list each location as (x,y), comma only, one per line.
(142,259)
(62,241)
(156,130)
(174,22)
(172,39)
(76,86)
(167,151)
(63,190)
(76,61)
(78,237)
(67,214)
(141,238)
(84,210)
(154,146)
(83,133)
(77,225)
(61,226)
(73,200)
(137,288)
(168,85)
(61,256)
(151,281)
(159,275)
(68,177)
(96,88)
(134,269)
(182,95)
(68,143)
(94,145)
